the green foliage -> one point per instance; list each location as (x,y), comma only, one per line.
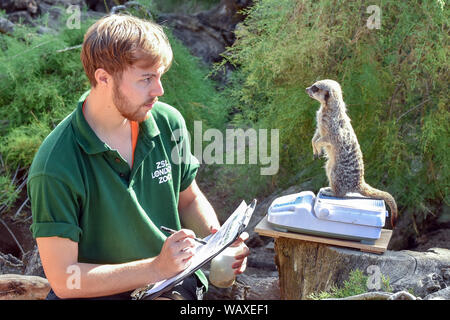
(38,89)
(40,84)
(356,284)
(187,88)
(394,80)
(8,192)
(21,143)
(36,78)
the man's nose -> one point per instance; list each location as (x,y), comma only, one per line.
(157,89)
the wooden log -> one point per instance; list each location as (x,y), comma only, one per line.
(20,287)
(305,267)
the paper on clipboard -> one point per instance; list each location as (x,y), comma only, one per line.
(216,243)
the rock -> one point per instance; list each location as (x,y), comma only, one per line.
(261,286)
(425,273)
(431,282)
(45,30)
(20,287)
(29,265)
(33,263)
(22,17)
(207,34)
(443,294)
(65,3)
(103,5)
(6,26)
(17,5)
(133,5)
(253,284)
(10,264)
(262,258)
(446,274)
(25,12)
(54,14)
(380,295)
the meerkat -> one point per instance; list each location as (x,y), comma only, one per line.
(334,135)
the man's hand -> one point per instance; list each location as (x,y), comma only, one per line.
(176,253)
(240,264)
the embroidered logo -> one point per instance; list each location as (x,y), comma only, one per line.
(163,171)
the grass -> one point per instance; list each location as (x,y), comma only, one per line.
(357,283)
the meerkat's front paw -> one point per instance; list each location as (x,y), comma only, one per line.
(316,152)
(327,192)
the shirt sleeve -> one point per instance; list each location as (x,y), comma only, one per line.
(54,207)
(189,163)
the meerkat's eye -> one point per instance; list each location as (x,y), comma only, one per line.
(314,89)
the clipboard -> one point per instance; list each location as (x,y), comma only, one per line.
(216,243)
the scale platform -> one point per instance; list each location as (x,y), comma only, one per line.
(350,222)
(379,247)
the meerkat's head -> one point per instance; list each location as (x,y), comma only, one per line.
(324,91)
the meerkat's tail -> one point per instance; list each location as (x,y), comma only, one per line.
(368,191)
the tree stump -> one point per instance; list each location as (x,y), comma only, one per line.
(20,287)
(310,264)
(305,267)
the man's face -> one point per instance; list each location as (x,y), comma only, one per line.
(135,94)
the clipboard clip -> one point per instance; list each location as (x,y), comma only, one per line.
(248,213)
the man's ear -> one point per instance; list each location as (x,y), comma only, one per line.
(102,77)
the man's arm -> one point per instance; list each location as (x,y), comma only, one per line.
(70,279)
(196,213)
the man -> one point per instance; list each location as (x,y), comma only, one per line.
(104,181)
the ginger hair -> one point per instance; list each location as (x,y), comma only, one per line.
(118,41)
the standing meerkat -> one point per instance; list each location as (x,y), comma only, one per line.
(335,135)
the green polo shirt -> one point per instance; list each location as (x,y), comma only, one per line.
(83,190)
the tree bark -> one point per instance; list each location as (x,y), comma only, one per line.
(305,267)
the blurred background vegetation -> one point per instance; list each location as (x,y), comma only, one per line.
(181,6)
(395,84)
(394,80)
(40,83)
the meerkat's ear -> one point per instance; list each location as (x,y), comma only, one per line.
(327,95)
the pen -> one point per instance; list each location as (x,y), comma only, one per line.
(171,231)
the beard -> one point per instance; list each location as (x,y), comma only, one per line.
(129,110)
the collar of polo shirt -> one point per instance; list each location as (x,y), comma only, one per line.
(89,141)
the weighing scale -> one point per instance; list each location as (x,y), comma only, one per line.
(355,218)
